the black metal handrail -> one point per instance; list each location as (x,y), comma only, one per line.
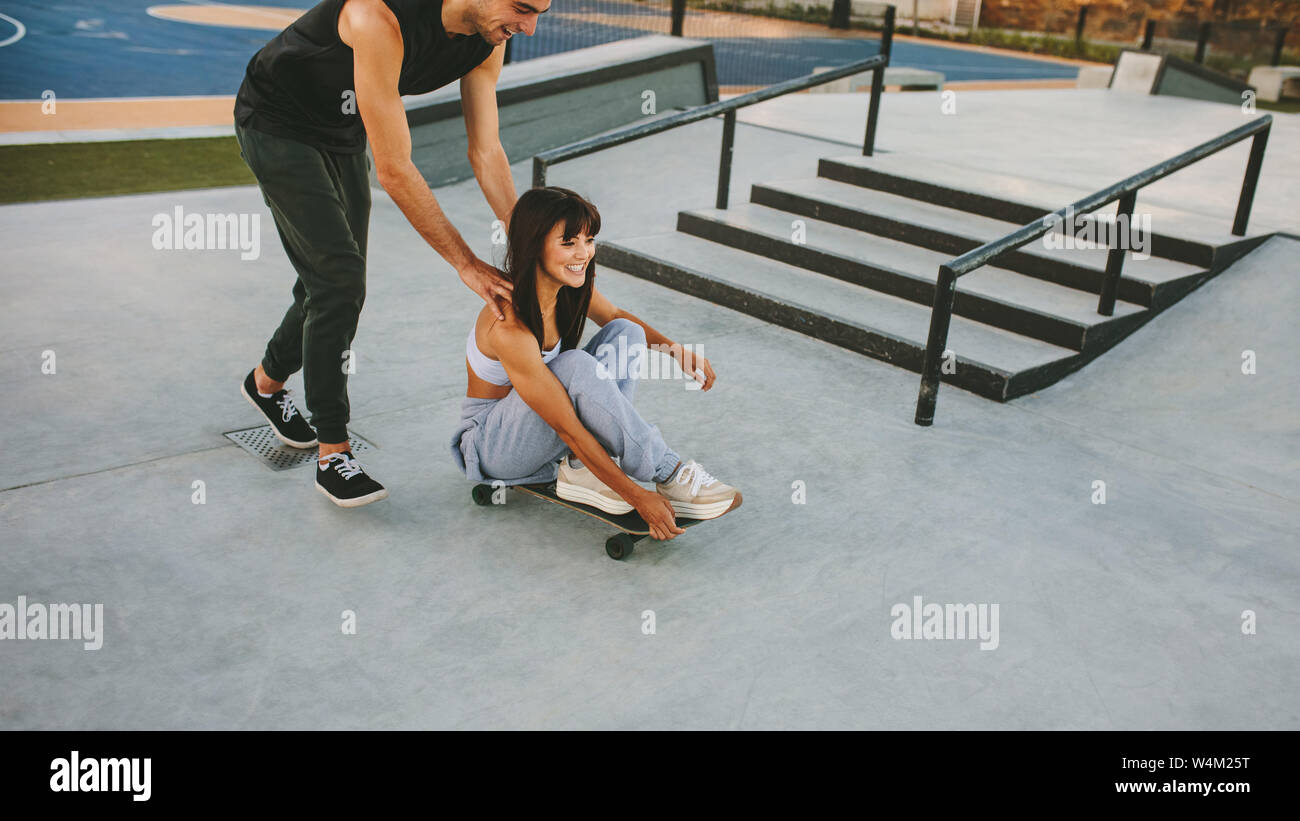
(876,64)
(1126,192)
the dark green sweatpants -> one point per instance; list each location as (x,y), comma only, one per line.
(321,204)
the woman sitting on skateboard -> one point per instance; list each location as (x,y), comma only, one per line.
(534,396)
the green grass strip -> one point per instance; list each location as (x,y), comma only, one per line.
(58,171)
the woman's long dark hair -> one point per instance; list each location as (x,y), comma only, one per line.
(532,219)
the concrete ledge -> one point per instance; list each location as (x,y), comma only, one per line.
(908,79)
(1136,71)
(1094,76)
(1275,82)
(552,101)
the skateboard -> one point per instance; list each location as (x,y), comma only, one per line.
(618,546)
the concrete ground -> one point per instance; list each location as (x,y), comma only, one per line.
(1123,615)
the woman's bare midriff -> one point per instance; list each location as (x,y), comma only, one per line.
(481,388)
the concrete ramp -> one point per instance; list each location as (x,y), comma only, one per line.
(1143,72)
(551,101)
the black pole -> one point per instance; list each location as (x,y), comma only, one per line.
(1115,259)
(539,173)
(724,161)
(1253,166)
(873,111)
(679,13)
(1078,28)
(878,84)
(506,59)
(840,14)
(1277,46)
(1202,38)
(1148,35)
(945,289)
(887,35)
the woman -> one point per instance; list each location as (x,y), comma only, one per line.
(535,397)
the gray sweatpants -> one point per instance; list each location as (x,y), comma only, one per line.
(505,439)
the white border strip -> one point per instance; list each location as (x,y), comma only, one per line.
(176,99)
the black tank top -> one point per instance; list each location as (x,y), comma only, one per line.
(300,84)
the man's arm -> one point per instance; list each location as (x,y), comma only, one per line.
(371,30)
(478,98)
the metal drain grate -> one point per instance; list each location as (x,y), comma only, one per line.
(276,455)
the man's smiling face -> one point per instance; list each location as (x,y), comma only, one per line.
(498,20)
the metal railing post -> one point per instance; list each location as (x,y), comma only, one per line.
(1148,35)
(887,34)
(678,15)
(1202,38)
(878,84)
(1278,45)
(724,161)
(840,10)
(1253,166)
(1115,259)
(945,289)
(539,173)
(1083,21)
(873,111)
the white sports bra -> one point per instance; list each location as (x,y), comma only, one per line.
(491,370)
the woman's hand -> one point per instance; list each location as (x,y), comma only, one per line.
(658,513)
(691,362)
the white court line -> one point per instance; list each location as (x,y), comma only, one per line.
(18,35)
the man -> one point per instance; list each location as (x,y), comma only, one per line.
(310,100)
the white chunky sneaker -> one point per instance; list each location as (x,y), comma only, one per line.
(579,484)
(694,494)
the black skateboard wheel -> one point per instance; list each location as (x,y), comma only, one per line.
(620,546)
(482,494)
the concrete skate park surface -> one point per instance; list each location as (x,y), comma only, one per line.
(1126,615)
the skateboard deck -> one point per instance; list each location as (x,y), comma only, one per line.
(618,546)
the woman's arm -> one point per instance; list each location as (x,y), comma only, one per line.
(541,390)
(602,311)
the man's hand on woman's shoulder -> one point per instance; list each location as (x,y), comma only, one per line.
(488,282)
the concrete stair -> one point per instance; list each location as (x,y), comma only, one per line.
(1197,239)
(851,257)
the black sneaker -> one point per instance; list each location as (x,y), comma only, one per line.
(345,483)
(286,422)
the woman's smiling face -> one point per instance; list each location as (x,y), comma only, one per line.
(566,260)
